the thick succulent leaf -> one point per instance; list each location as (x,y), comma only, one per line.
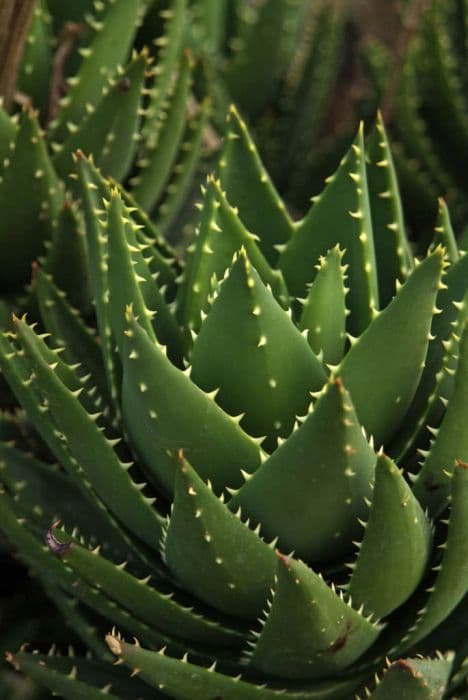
(158,159)
(444,234)
(36,63)
(255,68)
(93,191)
(311,491)
(160,255)
(214,555)
(108,131)
(442,92)
(165,412)
(66,685)
(249,187)
(309,632)
(414,679)
(340,215)
(178,187)
(17,372)
(209,18)
(131,282)
(48,494)
(324,309)
(69,377)
(76,619)
(115,27)
(66,259)
(112,682)
(450,300)
(27,169)
(319,45)
(382,368)
(397,539)
(451,583)
(187,681)
(259,361)
(29,549)
(412,130)
(220,234)
(169,45)
(51,572)
(419,189)
(7,135)
(155,608)
(161,258)
(432,487)
(80,344)
(392,250)
(90,447)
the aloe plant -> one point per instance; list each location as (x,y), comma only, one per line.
(258,456)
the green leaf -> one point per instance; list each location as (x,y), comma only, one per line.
(90,447)
(68,329)
(412,129)
(114,28)
(219,235)
(51,571)
(324,309)
(249,188)
(7,135)
(36,63)
(161,256)
(108,132)
(382,368)
(340,215)
(255,68)
(160,407)
(66,259)
(397,538)
(432,487)
(45,492)
(169,46)
(451,583)
(28,169)
(93,192)
(67,686)
(87,671)
(211,22)
(158,159)
(29,550)
(191,150)
(190,681)
(309,632)
(319,45)
(155,608)
(259,361)
(414,679)
(131,283)
(392,249)
(310,492)
(444,234)
(17,372)
(450,300)
(212,553)
(442,92)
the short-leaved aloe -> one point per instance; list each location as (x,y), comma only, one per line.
(258,456)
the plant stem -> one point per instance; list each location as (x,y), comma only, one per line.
(15,18)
